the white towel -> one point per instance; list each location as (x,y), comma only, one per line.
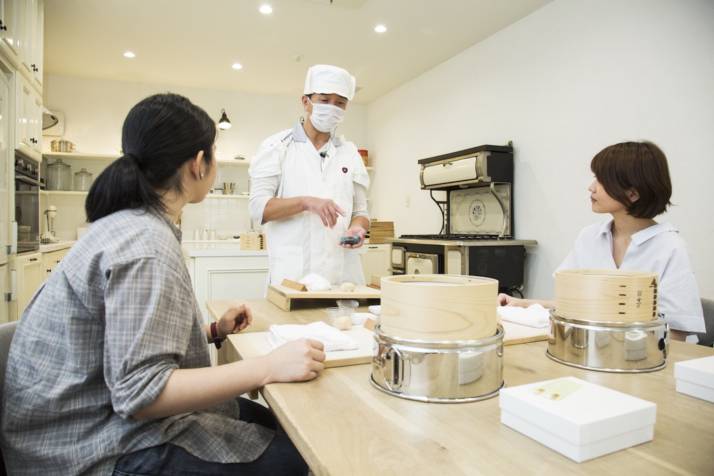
(532,316)
(315,283)
(332,338)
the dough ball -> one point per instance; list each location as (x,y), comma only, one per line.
(347,287)
(343,323)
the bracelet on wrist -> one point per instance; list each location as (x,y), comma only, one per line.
(215,338)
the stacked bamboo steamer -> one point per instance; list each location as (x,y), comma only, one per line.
(437,307)
(606,295)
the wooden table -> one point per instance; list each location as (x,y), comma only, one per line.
(344,426)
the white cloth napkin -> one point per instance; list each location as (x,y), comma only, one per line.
(332,338)
(314,282)
(532,316)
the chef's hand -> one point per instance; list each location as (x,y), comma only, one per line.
(357,231)
(234,320)
(295,361)
(506,300)
(326,209)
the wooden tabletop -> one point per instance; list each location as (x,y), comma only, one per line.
(344,426)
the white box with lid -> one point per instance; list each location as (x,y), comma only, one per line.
(582,423)
(696,378)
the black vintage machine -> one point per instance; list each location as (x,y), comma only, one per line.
(477,236)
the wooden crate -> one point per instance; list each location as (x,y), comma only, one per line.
(379,231)
(252,241)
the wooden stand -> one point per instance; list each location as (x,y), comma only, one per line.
(286,298)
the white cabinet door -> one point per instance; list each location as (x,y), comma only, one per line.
(38,40)
(12,12)
(29,276)
(234,278)
(22,100)
(376,261)
(4,290)
(6,158)
(28,118)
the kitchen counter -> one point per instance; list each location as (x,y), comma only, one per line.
(437,242)
(61,245)
(217,248)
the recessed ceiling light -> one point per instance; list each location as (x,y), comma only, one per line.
(380,28)
(265,9)
(129,54)
(237,66)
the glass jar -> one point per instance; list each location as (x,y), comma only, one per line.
(59,176)
(82,180)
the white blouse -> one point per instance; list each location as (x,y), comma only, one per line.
(658,249)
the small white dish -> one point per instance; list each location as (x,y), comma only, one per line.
(376,310)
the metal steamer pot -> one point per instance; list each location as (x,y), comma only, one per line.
(609,346)
(439,371)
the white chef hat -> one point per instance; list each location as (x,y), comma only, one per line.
(328,79)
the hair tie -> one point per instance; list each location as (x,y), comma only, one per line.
(133,158)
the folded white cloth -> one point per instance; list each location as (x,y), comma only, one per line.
(332,338)
(532,316)
(314,282)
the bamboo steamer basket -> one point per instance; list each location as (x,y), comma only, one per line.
(606,295)
(438,307)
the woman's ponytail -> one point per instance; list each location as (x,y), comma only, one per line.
(159,135)
(120,186)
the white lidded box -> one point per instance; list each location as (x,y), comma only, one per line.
(576,418)
(696,378)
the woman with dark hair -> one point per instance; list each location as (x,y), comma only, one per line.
(632,184)
(109,367)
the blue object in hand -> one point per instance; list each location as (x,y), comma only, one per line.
(349,240)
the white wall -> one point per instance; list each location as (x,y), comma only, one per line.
(95,110)
(562,83)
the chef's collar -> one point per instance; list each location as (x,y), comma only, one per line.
(300,136)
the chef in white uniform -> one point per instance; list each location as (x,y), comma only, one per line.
(309,187)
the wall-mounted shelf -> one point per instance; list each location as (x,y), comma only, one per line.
(67,193)
(237,163)
(228,197)
(79,155)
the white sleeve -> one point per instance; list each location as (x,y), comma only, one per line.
(265,172)
(678,294)
(262,189)
(359,204)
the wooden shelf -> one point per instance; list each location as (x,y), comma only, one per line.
(67,193)
(236,163)
(80,155)
(228,197)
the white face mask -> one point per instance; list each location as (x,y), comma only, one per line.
(326,117)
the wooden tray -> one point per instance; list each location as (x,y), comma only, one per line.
(285,298)
(255,344)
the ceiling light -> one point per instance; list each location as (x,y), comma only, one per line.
(129,54)
(224,123)
(380,28)
(265,9)
(237,66)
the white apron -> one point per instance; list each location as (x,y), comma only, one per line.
(302,244)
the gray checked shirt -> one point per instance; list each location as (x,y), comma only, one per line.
(97,343)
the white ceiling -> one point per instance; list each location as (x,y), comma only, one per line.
(195,42)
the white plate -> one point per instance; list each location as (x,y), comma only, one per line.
(376,310)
